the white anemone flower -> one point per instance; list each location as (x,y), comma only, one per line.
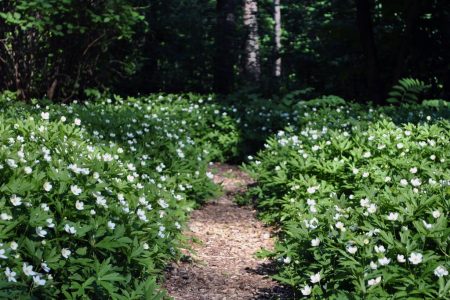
(11,163)
(312,190)
(352,249)
(65,252)
(75,190)
(372,208)
(111,225)
(40,231)
(28,269)
(401,258)
(5,217)
(70,229)
(13,245)
(315,242)
(45,267)
(315,278)
(436,214)
(306,290)
(79,205)
(364,202)
(416,182)
(339,225)
(10,275)
(48,186)
(440,271)
(393,216)
(427,225)
(374,281)
(15,200)
(45,115)
(415,258)
(38,281)
(384,261)
(50,223)
(379,249)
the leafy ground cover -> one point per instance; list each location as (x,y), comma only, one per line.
(93,196)
(362,197)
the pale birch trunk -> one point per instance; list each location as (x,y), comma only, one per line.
(277,56)
(252,63)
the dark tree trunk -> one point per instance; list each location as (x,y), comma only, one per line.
(412,14)
(365,27)
(277,36)
(252,66)
(225,41)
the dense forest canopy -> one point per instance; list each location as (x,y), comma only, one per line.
(355,49)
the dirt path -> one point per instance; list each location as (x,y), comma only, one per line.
(224,266)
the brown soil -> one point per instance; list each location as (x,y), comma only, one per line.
(223,265)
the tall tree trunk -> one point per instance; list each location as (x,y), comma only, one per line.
(412,14)
(365,27)
(252,63)
(225,41)
(277,35)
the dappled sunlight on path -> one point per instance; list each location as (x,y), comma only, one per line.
(224,265)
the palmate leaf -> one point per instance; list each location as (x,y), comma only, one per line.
(12,290)
(110,243)
(444,287)
(339,295)
(290,281)
(17,186)
(8,230)
(106,276)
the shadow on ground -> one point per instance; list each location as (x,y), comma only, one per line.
(278,292)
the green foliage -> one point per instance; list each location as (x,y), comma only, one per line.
(178,48)
(57,48)
(407,90)
(362,203)
(436,103)
(93,196)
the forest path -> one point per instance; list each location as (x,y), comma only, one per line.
(223,265)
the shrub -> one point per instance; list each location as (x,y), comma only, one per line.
(93,196)
(362,203)
(58,48)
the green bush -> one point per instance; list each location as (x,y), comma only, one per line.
(362,202)
(58,48)
(93,196)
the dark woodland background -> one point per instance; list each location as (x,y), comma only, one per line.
(356,49)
